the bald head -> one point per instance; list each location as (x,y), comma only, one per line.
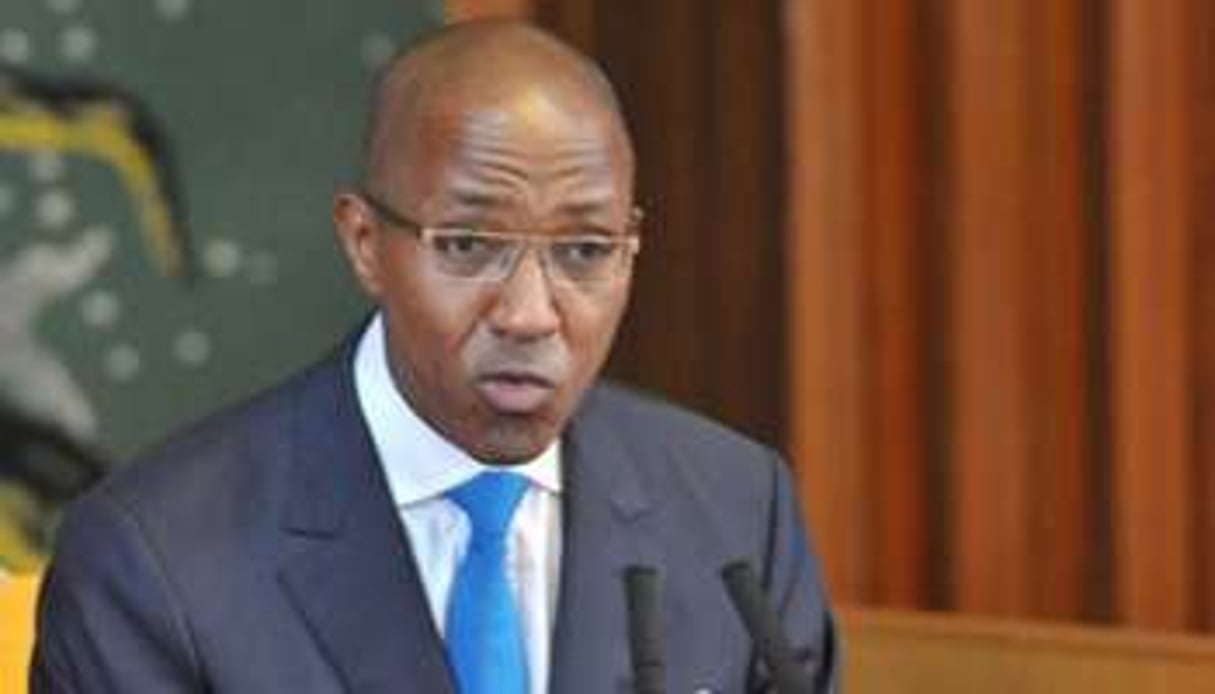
(468,69)
(494,130)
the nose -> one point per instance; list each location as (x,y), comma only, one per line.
(525,308)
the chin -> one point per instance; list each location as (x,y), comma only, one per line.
(512,442)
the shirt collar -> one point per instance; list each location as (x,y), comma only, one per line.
(418,461)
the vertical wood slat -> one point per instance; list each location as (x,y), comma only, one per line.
(824,257)
(1018,456)
(668,314)
(858,288)
(1202,267)
(743,198)
(1152,447)
(895,253)
(992,201)
(1062,518)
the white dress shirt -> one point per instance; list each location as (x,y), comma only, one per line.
(421,466)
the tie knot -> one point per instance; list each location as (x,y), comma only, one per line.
(489,501)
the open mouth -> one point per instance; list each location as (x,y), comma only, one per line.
(516,393)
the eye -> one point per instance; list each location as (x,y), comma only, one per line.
(464,244)
(584,250)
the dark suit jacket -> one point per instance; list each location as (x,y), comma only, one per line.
(261,553)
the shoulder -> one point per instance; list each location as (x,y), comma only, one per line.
(227,468)
(209,451)
(698,468)
(646,423)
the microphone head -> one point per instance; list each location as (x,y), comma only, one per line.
(763,624)
(643,591)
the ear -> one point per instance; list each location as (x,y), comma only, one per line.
(358,235)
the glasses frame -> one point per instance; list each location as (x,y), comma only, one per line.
(629,239)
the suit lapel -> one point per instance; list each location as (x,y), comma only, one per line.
(348,568)
(606,530)
(347,565)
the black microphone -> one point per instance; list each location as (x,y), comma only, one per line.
(643,590)
(765,629)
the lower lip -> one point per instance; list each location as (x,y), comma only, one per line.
(511,396)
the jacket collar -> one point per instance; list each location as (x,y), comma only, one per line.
(350,572)
(347,565)
(608,527)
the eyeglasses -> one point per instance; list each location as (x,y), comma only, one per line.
(466,253)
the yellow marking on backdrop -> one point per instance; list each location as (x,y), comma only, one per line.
(101,131)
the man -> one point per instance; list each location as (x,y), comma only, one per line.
(446,504)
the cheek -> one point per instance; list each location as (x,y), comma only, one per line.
(591,324)
(434,322)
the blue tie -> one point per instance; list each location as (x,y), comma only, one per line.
(484,639)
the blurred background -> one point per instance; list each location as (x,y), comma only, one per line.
(952,256)
(166,172)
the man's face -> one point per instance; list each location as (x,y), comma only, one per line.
(497,367)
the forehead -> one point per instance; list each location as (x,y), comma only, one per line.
(534,141)
(530,137)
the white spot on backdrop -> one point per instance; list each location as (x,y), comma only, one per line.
(122,363)
(47,167)
(78,43)
(376,50)
(192,348)
(222,258)
(262,268)
(100,309)
(54,209)
(173,10)
(63,6)
(15,46)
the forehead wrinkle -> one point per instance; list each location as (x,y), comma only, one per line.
(484,194)
(481,169)
(486,148)
(578,162)
(570,153)
(491,167)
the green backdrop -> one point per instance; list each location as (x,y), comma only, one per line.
(260,104)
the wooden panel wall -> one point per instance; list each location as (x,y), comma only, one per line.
(1151,348)
(861,361)
(1017,365)
(1202,275)
(1014,268)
